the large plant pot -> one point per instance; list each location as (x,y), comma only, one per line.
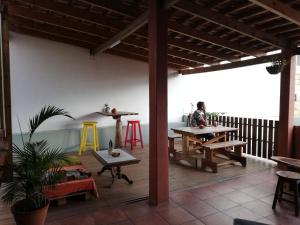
(36,217)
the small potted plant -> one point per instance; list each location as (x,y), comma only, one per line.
(35,166)
(276,66)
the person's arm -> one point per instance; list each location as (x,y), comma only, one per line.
(202,119)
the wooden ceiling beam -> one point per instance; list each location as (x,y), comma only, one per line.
(232,24)
(47,36)
(203,36)
(114,6)
(45,28)
(279,8)
(21,15)
(127,31)
(77,13)
(250,62)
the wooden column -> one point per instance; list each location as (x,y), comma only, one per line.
(158,94)
(286,113)
(6,125)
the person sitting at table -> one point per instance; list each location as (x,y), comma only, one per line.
(199,119)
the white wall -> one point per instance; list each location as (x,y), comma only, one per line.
(47,72)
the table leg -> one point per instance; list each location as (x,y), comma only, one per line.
(118,134)
(185,144)
(120,175)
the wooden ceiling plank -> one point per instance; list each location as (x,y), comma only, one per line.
(203,36)
(29,14)
(127,31)
(77,13)
(281,9)
(51,37)
(250,62)
(232,24)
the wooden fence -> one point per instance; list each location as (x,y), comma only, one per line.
(260,134)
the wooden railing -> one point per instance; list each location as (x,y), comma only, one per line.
(260,134)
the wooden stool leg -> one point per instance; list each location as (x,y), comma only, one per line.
(83,140)
(132,137)
(94,138)
(276,193)
(296,194)
(126,137)
(141,137)
(97,139)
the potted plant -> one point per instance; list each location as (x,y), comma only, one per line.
(35,166)
(276,66)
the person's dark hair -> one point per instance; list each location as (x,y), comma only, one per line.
(200,105)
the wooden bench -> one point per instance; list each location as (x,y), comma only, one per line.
(171,139)
(231,149)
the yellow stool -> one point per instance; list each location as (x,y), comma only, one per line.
(83,143)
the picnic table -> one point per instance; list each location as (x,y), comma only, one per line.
(218,144)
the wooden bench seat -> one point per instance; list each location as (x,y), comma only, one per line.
(171,139)
(231,149)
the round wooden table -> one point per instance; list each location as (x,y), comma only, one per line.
(118,133)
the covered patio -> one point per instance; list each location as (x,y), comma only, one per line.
(175,37)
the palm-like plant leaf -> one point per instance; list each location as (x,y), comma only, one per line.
(45,113)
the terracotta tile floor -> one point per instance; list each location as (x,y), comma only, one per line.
(214,204)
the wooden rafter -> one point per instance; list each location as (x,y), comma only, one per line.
(226,21)
(250,62)
(46,18)
(279,8)
(127,31)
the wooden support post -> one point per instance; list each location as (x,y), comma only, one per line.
(5,89)
(286,113)
(158,94)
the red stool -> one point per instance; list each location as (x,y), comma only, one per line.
(133,140)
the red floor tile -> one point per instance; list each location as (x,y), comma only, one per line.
(194,222)
(200,209)
(242,213)
(221,203)
(204,193)
(176,216)
(239,197)
(217,219)
(153,219)
(259,208)
(108,216)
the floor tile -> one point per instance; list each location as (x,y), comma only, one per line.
(239,197)
(217,219)
(221,203)
(176,216)
(153,219)
(204,193)
(194,222)
(242,213)
(200,209)
(107,216)
(258,207)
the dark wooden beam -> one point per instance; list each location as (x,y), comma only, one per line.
(6,93)
(39,34)
(286,112)
(203,36)
(280,8)
(250,62)
(230,23)
(77,13)
(158,94)
(127,31)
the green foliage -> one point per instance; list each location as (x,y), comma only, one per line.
(214,114)
(31,167)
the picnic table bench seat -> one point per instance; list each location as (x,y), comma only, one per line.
(233,150)
(171,140)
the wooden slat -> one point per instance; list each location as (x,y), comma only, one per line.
(241,129)
(230,23)
(270,140)
(276,134)
(249,136)
(259,138)
(265,139)
(236,124)
(280,8)
(254,137)
(250,62)
(203,36)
